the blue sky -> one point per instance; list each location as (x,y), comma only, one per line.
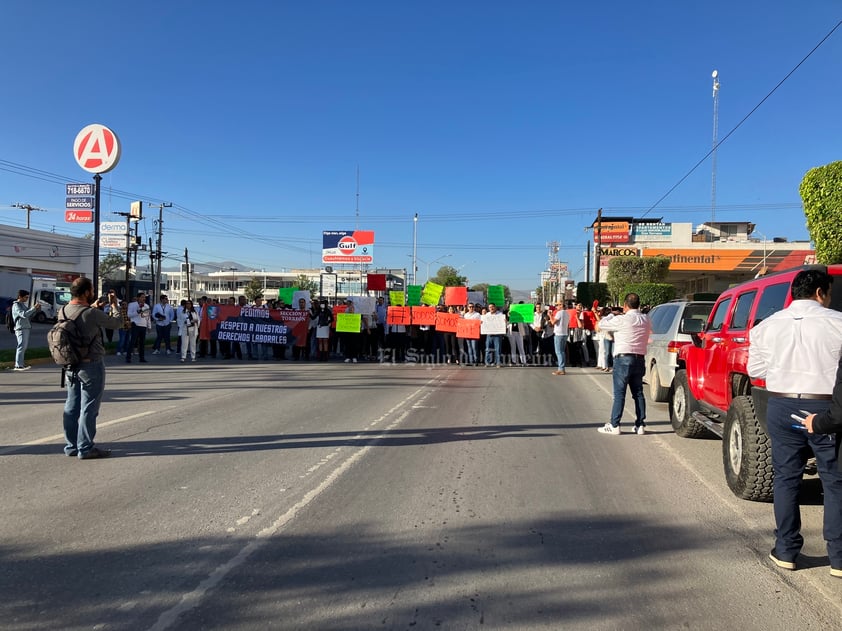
(503,125)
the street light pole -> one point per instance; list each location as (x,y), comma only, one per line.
(414,248)
(233,281)
(715,76)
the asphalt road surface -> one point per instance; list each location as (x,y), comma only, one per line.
(303,495)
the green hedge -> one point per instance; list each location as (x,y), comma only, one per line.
(651,293)
(586,293)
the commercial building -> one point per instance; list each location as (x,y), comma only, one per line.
(45,254)
(332,283)
(706,258)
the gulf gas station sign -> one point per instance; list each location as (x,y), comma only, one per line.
(348,246)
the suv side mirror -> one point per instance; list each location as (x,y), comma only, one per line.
(691,326)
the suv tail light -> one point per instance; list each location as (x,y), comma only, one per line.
(673,346)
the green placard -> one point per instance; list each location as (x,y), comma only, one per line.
(285,294)
(497,295)
(348,322)
(396,299)
(521,313)
(413,295)
(431,293)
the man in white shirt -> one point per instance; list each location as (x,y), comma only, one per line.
(796,351)
(139,315)
(631,336)
(561,321)
(163,316)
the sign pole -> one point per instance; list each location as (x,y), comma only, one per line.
(97,180)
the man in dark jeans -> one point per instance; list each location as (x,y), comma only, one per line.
(631,336)
(796,351)
(140,317)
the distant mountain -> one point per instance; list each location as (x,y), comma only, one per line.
(521,294)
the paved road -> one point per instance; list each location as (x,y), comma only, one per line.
(324,496)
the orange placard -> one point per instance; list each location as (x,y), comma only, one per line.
(468,329)
(455,296)
(424,316)
(337,309)
(398,316)
(446,322)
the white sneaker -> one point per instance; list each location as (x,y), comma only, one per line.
(156,352)
(169,352)
(640,430)
(347,361)
(21,368)
(608,428)
(354,360)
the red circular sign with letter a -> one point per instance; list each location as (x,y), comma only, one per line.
(97,149)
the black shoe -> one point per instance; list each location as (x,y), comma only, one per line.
(71,454)
(94,453)
(784,565)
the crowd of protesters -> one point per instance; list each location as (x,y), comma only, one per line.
(559,336)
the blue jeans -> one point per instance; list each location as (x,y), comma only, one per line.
(472,351)
(560,343)
(492,346)
(22,336)
(123,341)
(790,450)
(84,395)
(628,371)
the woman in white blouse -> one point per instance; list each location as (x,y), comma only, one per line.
(188,329)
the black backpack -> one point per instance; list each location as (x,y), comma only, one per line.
(68,346)
(10,321)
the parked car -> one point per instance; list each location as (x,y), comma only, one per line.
(712,391)
(666,339)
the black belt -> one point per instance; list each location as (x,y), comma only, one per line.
(629,355)
(792,395)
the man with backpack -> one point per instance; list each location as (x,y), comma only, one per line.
(20,314)
(85,379)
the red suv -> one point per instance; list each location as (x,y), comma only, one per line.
(712,392)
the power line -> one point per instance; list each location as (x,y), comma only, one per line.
(745,118)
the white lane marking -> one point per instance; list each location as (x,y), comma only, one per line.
(192,599)
(99,426)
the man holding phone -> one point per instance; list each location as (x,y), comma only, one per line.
(796,351)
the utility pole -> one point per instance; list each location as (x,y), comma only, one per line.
(159,255)
(552,283)
(598,243)
(28,208)
(133,216)
(187,271)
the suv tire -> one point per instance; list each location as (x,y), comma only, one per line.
(746,453)
(657,392)
(682,406)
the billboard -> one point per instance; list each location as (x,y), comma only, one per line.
(611,232)
(348,246)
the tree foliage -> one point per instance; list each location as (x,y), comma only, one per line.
(305,282)
(110,265)
(483,287)
(652,294)
(449,277)
(821,192)
(626,270)
(254,289)
(586,293)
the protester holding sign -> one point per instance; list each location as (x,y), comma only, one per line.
(494,328)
